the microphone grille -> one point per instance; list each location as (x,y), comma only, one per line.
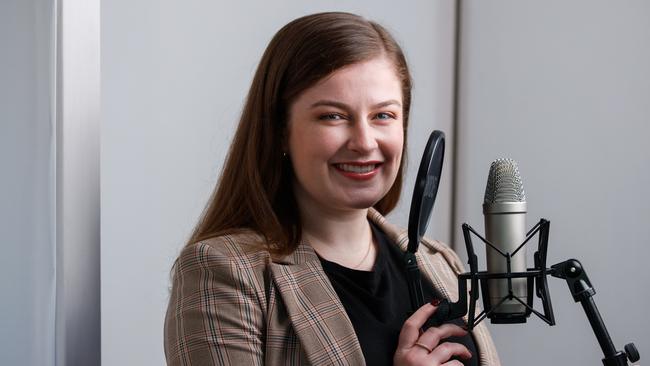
(504,183)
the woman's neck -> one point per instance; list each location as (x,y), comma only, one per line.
(343,237)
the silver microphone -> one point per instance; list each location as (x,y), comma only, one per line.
(504,209)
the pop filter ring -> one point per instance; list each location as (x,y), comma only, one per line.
(426,188)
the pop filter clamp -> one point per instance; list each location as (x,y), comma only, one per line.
(424,196)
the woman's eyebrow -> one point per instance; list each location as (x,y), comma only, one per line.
(340,105)
(330,103)
(387,103)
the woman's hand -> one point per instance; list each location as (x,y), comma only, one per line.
(423,348)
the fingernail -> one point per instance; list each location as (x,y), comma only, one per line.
(435,302)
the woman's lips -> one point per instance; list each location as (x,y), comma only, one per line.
(358,170)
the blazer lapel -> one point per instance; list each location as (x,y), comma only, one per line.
(400,238)
(317,315)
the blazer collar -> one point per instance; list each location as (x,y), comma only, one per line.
(317,315)
(305,253)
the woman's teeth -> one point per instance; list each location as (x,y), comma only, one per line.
(356,168)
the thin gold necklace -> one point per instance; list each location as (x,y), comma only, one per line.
(365,256)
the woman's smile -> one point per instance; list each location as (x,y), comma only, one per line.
(358,170)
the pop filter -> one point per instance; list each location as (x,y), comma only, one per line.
(426,188)
(424,196)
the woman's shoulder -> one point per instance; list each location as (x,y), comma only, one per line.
(243,249)
(436,247)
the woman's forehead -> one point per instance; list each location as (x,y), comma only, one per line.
(370,82)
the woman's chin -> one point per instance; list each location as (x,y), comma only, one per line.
(360,203)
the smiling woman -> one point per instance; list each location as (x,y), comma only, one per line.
(346,137)
(292,261)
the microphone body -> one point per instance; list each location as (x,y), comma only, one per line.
(504,210)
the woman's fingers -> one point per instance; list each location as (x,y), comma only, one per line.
(411,329)
(414,345)
(435,335)
(447,350)
(452,363)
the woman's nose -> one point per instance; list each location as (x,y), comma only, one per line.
(362,137)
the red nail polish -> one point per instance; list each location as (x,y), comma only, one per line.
(435,302)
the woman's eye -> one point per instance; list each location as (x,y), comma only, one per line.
(330,117)
(384,115)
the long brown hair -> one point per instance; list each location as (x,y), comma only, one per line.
(255,189)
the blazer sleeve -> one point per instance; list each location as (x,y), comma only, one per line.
(214,316)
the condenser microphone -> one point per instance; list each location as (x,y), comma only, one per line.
(507,286)
(504,209)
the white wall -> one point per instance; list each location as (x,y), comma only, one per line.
(174,75)
(563,87)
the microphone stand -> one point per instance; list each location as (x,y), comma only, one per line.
(570,270)
(581,290)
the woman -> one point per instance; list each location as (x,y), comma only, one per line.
(292,261)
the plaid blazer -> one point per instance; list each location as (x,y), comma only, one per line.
(232,304)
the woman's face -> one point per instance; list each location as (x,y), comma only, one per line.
(345,137)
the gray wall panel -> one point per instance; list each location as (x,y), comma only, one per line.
(563,87)
(27,160)
(78,185)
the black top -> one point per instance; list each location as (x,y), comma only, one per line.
(377,302)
